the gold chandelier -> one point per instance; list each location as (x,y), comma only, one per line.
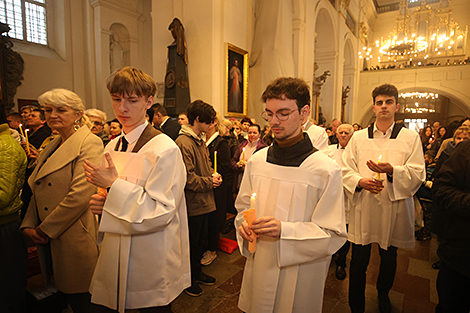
(421,33)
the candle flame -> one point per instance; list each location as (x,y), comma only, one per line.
(253,194)
(380,158)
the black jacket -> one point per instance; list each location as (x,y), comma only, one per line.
(451,209)
(171,128)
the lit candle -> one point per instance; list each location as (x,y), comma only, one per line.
(252,201)
(243,154)
(27,141)
(378,162)
(250,216)
(215,161)
(21,130)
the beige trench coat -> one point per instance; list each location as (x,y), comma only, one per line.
(60,201)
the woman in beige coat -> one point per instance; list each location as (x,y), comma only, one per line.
(58,219)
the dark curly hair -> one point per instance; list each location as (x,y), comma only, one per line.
(290,88)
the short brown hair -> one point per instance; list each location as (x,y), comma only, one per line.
(129,80)
(385,89)
(290,88)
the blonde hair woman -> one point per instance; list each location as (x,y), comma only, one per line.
(58,219)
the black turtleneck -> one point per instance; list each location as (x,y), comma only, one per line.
(293,155)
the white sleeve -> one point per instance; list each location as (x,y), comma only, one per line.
(133,209)
(319,137)
(407,178)
(243,204)
(323,235)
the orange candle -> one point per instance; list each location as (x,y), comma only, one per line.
(215,161)
(243,154)
(250,216)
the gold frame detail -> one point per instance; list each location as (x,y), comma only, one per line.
(243,54)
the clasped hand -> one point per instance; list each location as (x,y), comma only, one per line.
(266,225)
(216,180)
(36,234)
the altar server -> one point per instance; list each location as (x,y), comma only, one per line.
(383,168)
(300,216)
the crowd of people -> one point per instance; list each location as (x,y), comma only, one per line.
(125,213)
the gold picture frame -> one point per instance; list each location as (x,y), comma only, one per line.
(236,81)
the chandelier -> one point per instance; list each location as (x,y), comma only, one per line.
(421,33)
(419,106)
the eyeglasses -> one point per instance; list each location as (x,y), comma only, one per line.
(282,115)
(97,123)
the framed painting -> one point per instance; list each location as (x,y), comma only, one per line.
(236,85)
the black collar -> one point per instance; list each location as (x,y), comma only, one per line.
(396,129)
(293,155)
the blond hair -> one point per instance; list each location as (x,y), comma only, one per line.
(461,129)
(60,97)
(128,81)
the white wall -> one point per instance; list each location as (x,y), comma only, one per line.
(78,57)
(208,24)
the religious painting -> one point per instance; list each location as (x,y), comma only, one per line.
(236,81)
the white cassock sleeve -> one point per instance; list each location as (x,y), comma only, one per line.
(350,171)
(319,137)
(323,235)
(407,178)
(134,209)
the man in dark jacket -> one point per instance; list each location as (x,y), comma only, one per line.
(164,122)
(201,180)
(451,221)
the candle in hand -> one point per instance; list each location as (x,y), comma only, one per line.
(215,161)
(21,130)
(250,216)
(27,141)
(378,162)
(252,201)
(243,154)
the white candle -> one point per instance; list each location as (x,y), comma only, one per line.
(252,200)
(378,162)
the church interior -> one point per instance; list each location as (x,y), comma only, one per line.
(342,48)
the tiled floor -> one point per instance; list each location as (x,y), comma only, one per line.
(414,289)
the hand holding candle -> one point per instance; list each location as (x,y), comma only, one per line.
(250,216)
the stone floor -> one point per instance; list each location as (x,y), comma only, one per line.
(414,289)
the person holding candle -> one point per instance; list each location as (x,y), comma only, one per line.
(144,257)
(199,189)
(58,219)
(300,218)
(245,151)
(219,153)
(383,209)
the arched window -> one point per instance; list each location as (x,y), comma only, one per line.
(26,18)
